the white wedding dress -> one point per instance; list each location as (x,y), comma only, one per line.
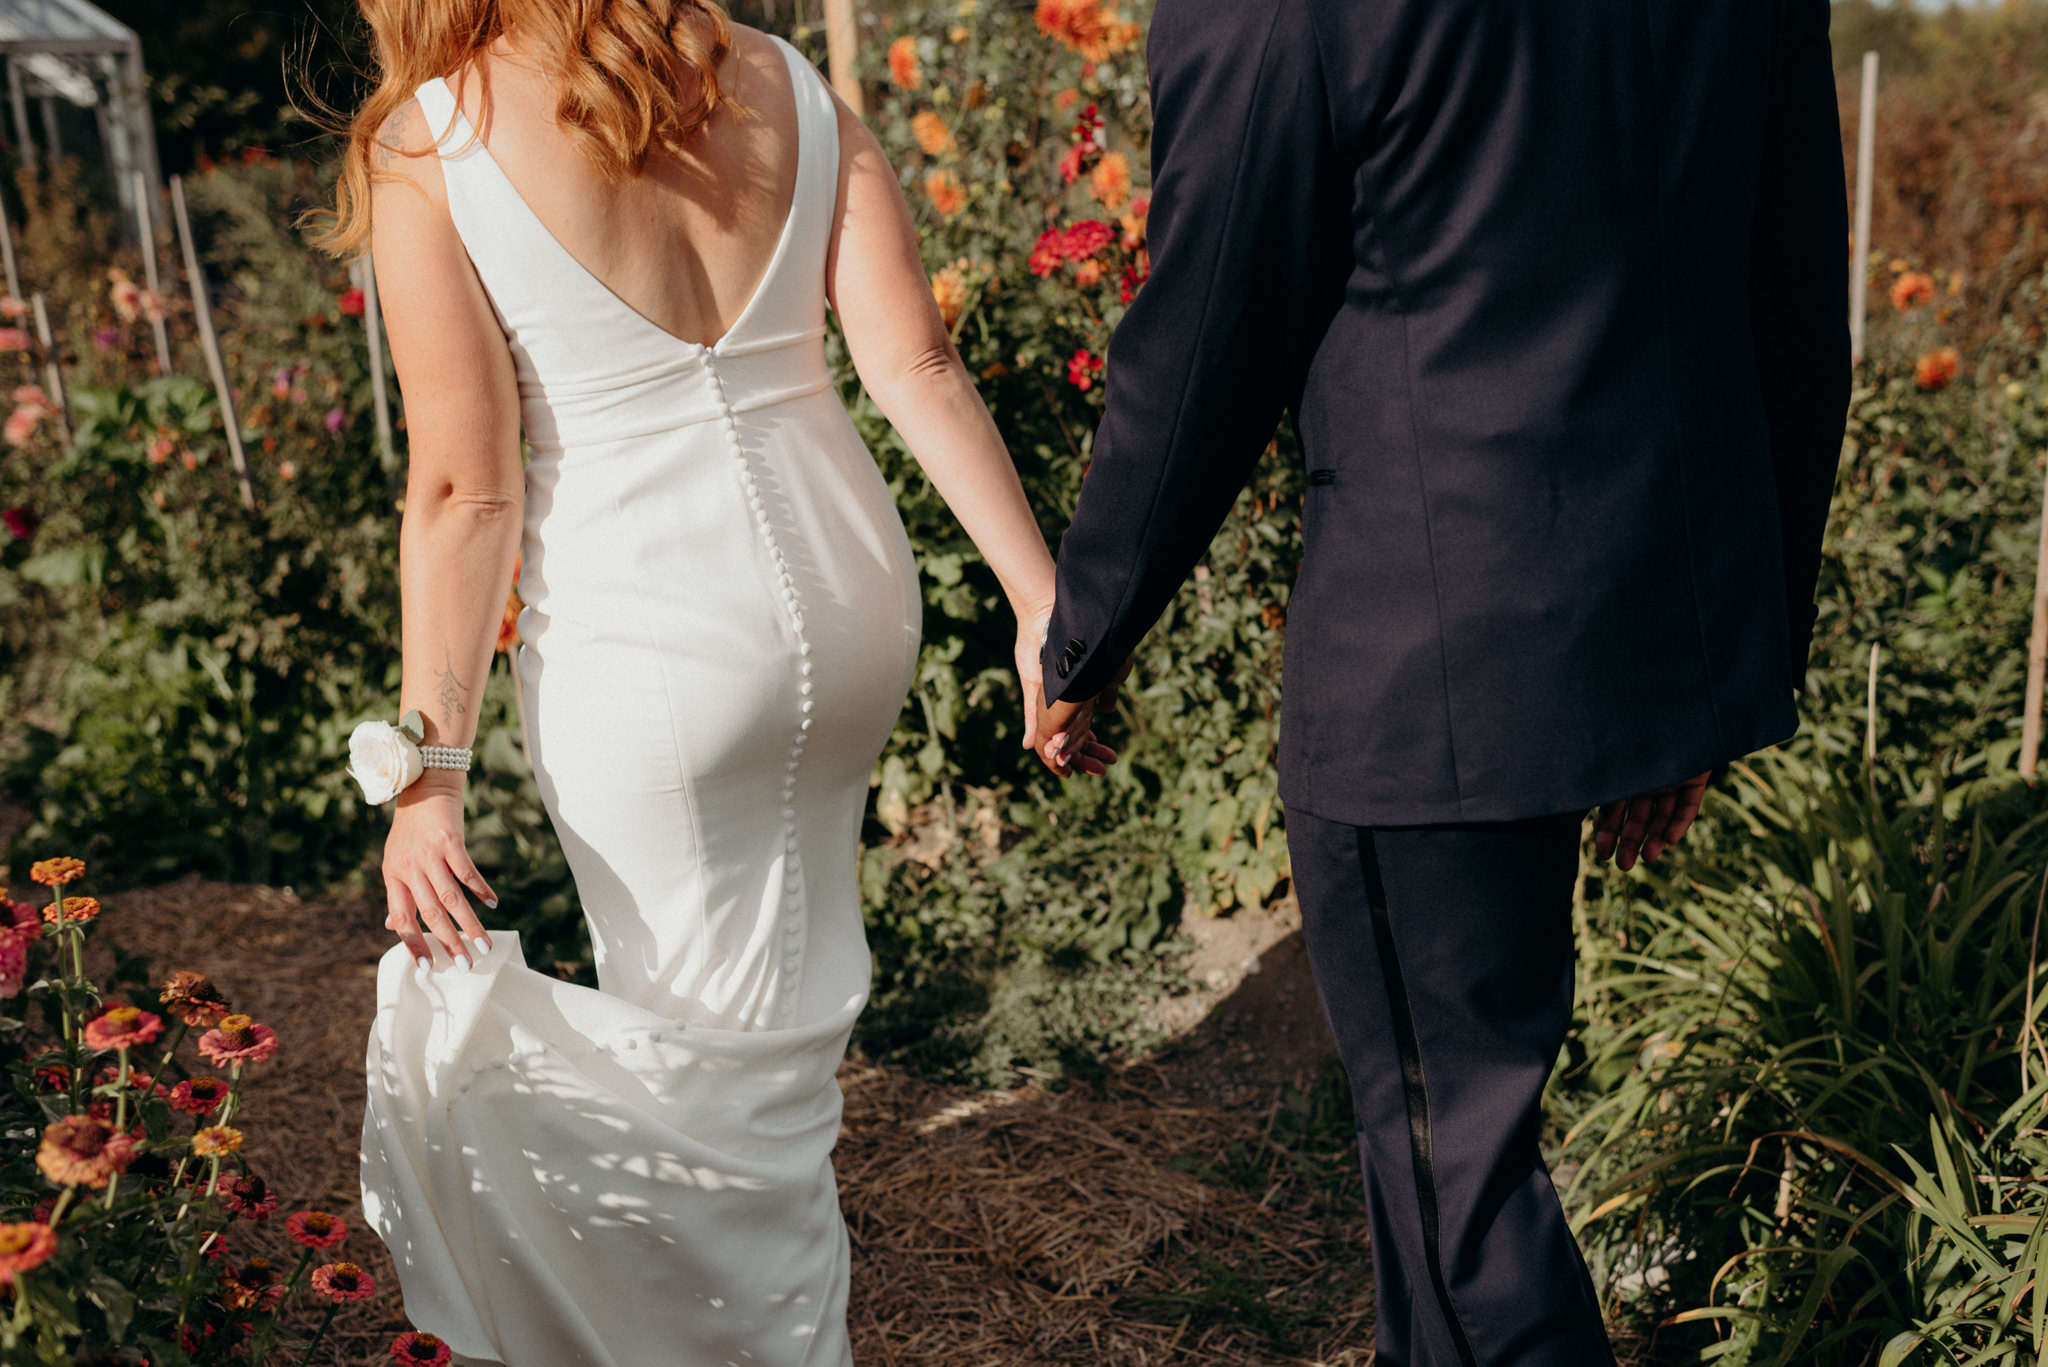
(720,628)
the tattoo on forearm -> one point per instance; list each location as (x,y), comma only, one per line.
(448,689)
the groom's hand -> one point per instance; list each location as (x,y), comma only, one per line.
(1064,734)
(1646,826)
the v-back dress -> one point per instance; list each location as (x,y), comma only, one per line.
(720,629)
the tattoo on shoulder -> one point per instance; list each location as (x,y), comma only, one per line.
(449,690)
(400,129)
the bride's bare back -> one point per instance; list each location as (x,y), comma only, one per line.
(686,243)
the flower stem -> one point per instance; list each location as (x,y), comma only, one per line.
(319,1333)
(177,1038)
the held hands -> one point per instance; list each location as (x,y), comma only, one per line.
(1646,826)
(426,868)
(1063,732)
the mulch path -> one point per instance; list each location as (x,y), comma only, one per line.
(1029,1226)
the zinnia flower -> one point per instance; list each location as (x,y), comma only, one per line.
(56,872)
(351,301)
(419,1350)
(199,1095)
(125,295)
(1083,368)
(249,1196)
(949,291)
(216,1141)
(252,1286)
(904,68)
(1111,180)
(336,419)
(317,1229)
(14,339)
(238,1039)
(81,1151)
(1913,287)
(193,998)
(931,133)
(10,307)
(79,909)
(1086,27)
(1937,368)
(508,625)
(23,1247)
(287,471)
(13,965)
(945,192)
(122,1027)
(162,446)
(21,523)
(343,1282)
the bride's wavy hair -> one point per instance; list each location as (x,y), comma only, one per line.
(632,77)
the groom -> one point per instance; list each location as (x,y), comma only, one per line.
(1556,293)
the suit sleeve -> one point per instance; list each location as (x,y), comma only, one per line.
(1799,302)
(1249,232)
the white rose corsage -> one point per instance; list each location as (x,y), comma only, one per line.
(384,758)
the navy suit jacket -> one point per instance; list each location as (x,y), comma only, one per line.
(1557,291)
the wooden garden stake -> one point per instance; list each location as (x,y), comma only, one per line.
(150,275)
(53,374)
(842,43)
(1866,170)
(363,272)
(1870,717)
(7,257)
(2037,652)
(209,343)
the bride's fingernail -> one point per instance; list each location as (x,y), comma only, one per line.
(426,964)
(483,946)
(491,902)
(462,962)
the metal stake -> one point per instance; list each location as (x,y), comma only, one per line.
(209,343)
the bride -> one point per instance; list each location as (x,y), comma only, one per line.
(616,226)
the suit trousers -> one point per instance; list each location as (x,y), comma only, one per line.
(1444,959)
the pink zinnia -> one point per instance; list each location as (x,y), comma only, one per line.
(238,1039)
(249,1196)
(343,1282)
(122,1027)
(14,339)
(316,1228)
(419,1350)
(199,1095)
(24,1247)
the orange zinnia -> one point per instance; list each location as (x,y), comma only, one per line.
(1937,368)
(1914,287)
(53,872)
(1087,28)
(904,68)
(949,291)
(1111,180)
(931,133)
(946,192)
(81,1151)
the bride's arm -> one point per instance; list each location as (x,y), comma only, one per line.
(464,500)
(906,360)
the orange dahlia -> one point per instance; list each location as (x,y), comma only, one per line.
(81,1151)
(946,192)
(23,1247)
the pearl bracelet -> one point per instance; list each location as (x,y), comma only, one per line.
(445,757)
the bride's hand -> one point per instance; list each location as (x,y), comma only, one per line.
(1081,751)
(426,867)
